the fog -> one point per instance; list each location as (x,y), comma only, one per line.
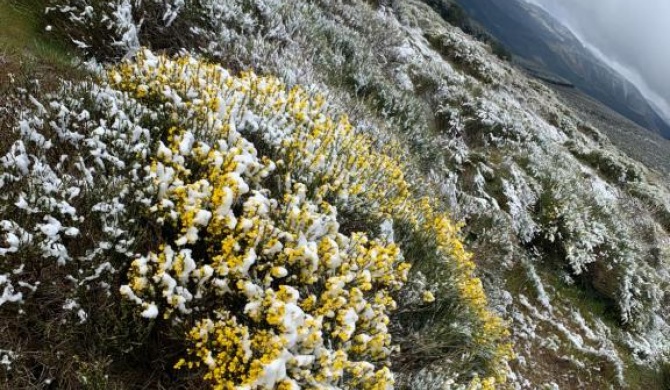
(631,36)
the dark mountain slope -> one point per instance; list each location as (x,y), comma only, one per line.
(543,45)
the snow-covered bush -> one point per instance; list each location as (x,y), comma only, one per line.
(609,165)
(117,28)
(52,175)
(69,225)
(580,220)
(321,298)
(228,202)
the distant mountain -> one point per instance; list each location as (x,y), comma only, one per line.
(548,49)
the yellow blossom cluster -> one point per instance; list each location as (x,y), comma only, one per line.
(346,165)
(491,330)
(340,162)
(482,384)
(253,248)
(297,303)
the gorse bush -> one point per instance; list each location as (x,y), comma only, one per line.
(321,298)
(285,299)
(242,192)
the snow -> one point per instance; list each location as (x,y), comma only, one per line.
(127,28)
(51,228)
(151,311)
(7,357)
(186,143)
(8,292)
(274,372)
(202,217)
(293,319)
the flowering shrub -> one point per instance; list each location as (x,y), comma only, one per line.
(256,251)
(226,204)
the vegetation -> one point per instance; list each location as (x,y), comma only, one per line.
(239,266)
(264,194)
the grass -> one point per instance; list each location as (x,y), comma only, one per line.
(581,295)
(17,24)
(22,31)
(26,49)
(30,59)
(645,377)
(554,362)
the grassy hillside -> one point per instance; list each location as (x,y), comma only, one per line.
(25,45)
(290,195)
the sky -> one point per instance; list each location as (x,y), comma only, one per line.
(631,36)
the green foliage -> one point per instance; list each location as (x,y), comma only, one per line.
(500,51)
(450,11)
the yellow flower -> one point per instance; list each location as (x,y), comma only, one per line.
(284,280)
(428,297)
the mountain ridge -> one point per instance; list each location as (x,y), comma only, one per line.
(544,43)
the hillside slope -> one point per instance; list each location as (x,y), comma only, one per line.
(569,234)
(639,143)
